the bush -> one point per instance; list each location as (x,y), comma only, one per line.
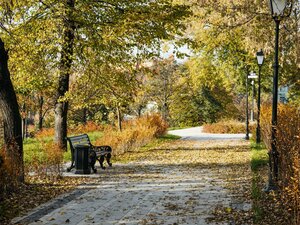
(82,128)
(46,132)
(135,134)
(227,127)
(9,173)
(90,126)
(288,147)
(48,162)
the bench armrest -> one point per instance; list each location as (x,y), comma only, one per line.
(102,150)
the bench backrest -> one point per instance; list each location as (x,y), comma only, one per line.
(82,139)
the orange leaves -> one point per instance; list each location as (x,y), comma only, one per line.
(288,145)
(90,126)
(136,133)
(227,127)
(45,133)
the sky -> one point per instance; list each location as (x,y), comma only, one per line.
(170,51)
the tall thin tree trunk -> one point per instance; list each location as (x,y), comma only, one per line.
(119,118)
(140,108)
(23,121)
(61,107)
(41,117)
(11,116)
(84,115)
(164,108)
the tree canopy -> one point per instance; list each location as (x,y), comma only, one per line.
(95,49)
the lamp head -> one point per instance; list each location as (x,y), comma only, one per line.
(260,57)
(280,8)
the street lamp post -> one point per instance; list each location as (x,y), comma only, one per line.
(253,76)
(260,61)
(252,105)
(250,76)
(247,113)
(279,9)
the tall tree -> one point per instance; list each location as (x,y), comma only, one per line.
(10,12)
(61,107)
(113,30)
(111,85)
(160,83)
(10,111)
(227,28)
(68,30)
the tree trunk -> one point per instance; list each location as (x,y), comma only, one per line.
(165,111)
(23,112)
(41,117)
(61,107)
(165,106)
(11,117)
(84,115)
(119,118)
(139,110)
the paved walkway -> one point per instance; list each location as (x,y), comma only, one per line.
(170,186)
(196,133)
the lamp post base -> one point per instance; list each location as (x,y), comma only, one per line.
(271,186)
(257,134)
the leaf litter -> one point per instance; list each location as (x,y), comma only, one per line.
(224,163)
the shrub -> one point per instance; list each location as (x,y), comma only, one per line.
(46,132)
(82,128)
(9,172)
(90,126)
(48,162)
(135,133)
(227,127)
(288,147)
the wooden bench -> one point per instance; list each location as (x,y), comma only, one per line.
(95,152)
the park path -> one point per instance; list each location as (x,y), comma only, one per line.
(188,182)
(196,133)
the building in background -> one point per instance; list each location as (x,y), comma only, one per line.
(283,94)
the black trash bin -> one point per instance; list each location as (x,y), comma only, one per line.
(82,165)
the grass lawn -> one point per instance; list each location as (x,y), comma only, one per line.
(259,156)
(34,147)
(259,166)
